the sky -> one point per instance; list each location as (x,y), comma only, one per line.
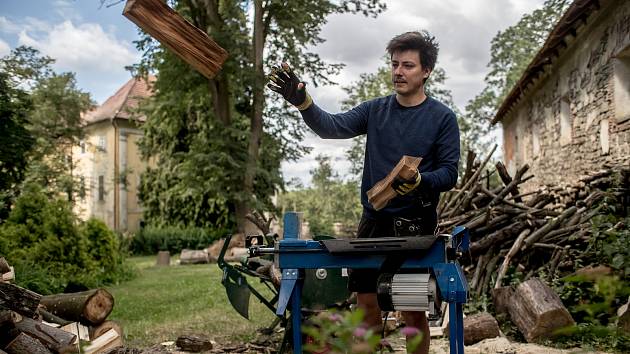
(96,43)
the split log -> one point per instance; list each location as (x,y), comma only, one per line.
(163,258)
(382,192)
(7,324)
(188,42)
(480,326)
(537,310)
(88,307)
(101,329)
(193,344)
(55,339)
(24,344)
(50,318)
(105,342)
(4,266)
(81,332)
(193,257)
(9,276)
(20,300)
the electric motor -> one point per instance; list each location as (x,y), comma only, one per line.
(408,292)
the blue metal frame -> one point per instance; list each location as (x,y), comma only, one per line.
(307,254)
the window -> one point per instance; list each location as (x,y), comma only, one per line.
(82,188)
(621,85)
(102,143)
(536,140)
(101,188)
(566,122)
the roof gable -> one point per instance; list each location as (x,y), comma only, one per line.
(123,102)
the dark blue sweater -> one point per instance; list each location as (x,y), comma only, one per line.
(428,130)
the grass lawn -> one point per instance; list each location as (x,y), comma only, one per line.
(162,303)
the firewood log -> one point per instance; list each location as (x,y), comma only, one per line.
(20,300)
(4,266)
(188,42)
(55,339)
(480,326)
(382,192)
(537,310)
(88,307)
(97,331)
(24,344)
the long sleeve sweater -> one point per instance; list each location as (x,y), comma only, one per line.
(428,130)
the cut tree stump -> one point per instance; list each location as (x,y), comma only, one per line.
(20,300)
(537,310)
(55,339)
(25,344)
(88,307)
(193,257)
(163,258)
(382,192)
(188,42)
(193,344)
(480,326)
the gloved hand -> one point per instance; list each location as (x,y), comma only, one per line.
(403,186)
(290,87)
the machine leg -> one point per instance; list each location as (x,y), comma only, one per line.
(460,327)
(296,317)
(452,327)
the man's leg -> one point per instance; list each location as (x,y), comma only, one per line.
(369,304)
(419,320)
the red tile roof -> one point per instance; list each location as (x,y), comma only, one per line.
(123,102)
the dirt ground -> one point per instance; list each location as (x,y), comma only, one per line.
(499,345)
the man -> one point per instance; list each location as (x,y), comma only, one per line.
(405,123)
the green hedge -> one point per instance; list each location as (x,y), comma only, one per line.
(150,240)
(51,248)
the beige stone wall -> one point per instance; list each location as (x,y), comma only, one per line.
(577,118)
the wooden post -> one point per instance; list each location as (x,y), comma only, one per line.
(188,42)
(163,258)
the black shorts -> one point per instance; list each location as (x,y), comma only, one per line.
(364,280)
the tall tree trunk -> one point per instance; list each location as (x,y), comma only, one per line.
(256,119)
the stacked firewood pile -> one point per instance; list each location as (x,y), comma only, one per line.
(32,323)
(539,232)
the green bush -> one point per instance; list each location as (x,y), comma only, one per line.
(50,248)
(150,240)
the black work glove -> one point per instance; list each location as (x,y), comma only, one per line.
(403,186)
(289,86)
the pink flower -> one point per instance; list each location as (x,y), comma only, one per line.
(359,332)
(409,331)
(334,317)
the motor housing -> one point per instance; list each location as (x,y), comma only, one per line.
(408,291)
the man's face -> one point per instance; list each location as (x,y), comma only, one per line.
(407,72)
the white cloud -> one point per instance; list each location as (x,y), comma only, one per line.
(83,47)
(4,48)
(7,26)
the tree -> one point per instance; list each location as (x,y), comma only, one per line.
(510,53)
(16,141)
(378,84)
(327,201)
(217,155)
(53,118)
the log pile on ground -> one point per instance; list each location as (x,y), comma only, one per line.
(541,233)
(32,323)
